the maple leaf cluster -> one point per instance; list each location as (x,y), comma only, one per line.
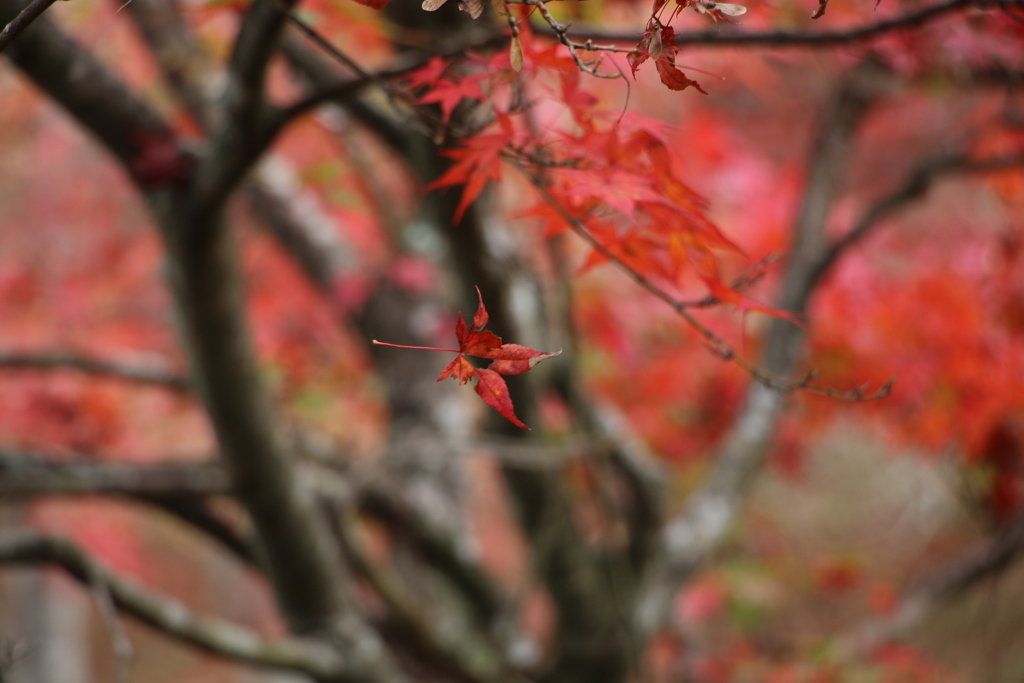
(506,359)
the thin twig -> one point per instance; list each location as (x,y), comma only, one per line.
(21,22)
(347,89)
(744,281)
(560,31)
(803,39)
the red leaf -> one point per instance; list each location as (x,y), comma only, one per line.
(674,78)
(492,389)
(671,76)
(476,162)
(636,58)
(375,4)
(509,359)
(516,359)
(449,93)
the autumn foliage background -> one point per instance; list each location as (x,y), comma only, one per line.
(718,484)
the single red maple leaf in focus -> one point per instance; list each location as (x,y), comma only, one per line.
(507,359)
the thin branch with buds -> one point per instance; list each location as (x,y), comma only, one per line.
(561,31)
(805,39)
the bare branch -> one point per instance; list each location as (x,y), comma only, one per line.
(248,124)
(561,32)
(463,659)
(438,547)
(169,616)
(122,646)
(187,67)
(20,22)
(148,373)
(801,39)
(179,489)
(76,80)
(914,188)
(297,221)
(22,475)
(982,562)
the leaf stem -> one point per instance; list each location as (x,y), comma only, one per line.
(406,346)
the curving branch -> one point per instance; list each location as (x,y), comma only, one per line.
(915,187)
(984,561)
(343,91)
(179,489)
(140,373)
(463,658)
(170,617)
(22,475)
(247,126)
(293,217)
(25,17)
(203,272)
(93,95)
(803,39)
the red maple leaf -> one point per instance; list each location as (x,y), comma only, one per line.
(507,359)
(476,162)
(449,93)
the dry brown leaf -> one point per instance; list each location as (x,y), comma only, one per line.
(515,54)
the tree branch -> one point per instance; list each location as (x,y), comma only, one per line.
(169,616)
(800,39)
(463,659)
(20,22)
(149,373)
(22,475)
(915,187)
(247,126)
(342,91)
(689,537)
(984,561)
(73,78)
(179,489)
(203,272)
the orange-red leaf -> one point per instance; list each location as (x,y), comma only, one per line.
(674,78)
(492,389)
(508,359)
(460,369)
(513,359)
